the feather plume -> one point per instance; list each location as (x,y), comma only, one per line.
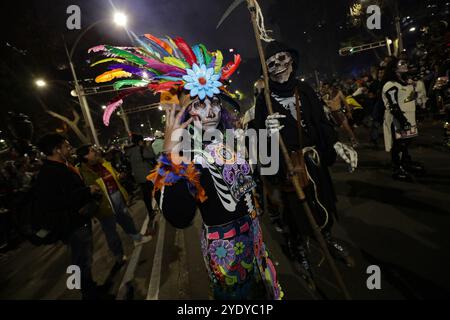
(198,54)
(176,62)
(126,55)
(165,86)
(134,83)
(107,60)
(110,110)
(231,67)
(219,60)
(176,52)
(162,67)
(159,42)
(99,48)
(186,50)
(113,74)
(206,54)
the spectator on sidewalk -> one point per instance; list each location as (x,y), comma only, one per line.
(61,193)
(113,205)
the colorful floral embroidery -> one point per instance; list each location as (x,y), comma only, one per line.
(222,251)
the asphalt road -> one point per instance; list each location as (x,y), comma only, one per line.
(400,227)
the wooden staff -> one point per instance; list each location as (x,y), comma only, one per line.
(294,177)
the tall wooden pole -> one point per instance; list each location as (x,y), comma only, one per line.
(289,165)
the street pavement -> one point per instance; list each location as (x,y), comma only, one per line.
(400,227)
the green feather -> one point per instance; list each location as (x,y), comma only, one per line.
(134,83)
(206,54)
(126,55)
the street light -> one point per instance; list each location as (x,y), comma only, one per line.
(104,107)
(412,29)
(120,19)
(40,83)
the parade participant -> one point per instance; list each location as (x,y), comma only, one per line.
(113,205)
(335,100)
(217,181)
(399,120)
(300,119)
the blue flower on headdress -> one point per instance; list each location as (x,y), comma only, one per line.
(201,81)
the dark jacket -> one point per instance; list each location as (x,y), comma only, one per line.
(141,160)
(319,130)
(60,191)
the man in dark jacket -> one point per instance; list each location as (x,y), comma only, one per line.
(297,109)
(62,196)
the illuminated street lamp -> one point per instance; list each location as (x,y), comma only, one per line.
(40,83)
(120,19)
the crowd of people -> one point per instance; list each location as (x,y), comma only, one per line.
(83,184)
(53,193)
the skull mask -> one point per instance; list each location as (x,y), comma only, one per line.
(206,113)
(280,66)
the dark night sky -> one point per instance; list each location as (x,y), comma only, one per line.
(37,26)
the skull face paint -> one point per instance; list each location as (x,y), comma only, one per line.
(402,66)
(206,113)
(280,66)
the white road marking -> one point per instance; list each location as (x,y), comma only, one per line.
(131,268)
(155,278)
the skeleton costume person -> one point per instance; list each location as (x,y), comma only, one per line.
(215,180)
(319,145)
(400,125)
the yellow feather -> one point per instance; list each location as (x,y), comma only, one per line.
(219,61)
(110,75)
(175,62)
(108,60)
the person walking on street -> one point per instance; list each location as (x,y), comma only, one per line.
(113,205)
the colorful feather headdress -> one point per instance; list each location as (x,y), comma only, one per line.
(163,65)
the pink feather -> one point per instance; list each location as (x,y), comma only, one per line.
(97,49)
(110,110)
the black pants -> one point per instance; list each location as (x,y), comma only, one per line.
(147,191)
(81,246)
(294,216)
(400,151)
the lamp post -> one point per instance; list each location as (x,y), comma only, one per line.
(121,20)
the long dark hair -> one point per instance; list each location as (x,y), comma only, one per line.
(390,72)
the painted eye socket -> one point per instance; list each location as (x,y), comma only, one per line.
(197,104)
(215,102)
(271,64)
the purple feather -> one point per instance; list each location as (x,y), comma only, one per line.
(162,67)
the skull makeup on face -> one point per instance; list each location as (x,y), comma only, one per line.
(280,66)
(206,113)
(402,66)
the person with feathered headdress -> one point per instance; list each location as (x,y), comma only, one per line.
(218,181)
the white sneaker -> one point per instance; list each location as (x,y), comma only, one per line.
(143,240)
